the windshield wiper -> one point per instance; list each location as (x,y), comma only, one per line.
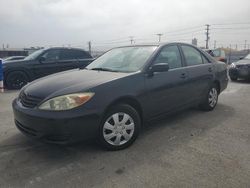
(104,69)
(83,68)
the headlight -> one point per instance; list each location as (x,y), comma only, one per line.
(66,102)
(232,65)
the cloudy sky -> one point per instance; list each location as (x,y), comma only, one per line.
(25,23)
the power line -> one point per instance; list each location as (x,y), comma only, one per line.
(107,43)
(240,23)
(231,28)
(113,40)
(182,30)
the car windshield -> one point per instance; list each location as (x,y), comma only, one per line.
(247,57)
(34,55)
(125,59)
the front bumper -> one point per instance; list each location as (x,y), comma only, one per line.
(56,127)
(239,72)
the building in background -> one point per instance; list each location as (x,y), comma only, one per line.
(32,49)
(194,41)
(7,52)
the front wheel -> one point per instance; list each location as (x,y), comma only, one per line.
(233,78)
(211,99)
(120,127)
(16,80)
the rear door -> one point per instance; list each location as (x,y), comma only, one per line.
(73,58)
(167,90)
(200,72)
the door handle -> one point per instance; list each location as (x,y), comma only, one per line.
(210,69)
(183,75)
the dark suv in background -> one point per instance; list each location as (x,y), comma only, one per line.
(42,63)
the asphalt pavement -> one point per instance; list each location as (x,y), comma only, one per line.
(189,149)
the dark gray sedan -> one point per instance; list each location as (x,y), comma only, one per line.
(117,93)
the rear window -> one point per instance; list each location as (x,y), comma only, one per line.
(74,54)
(216,53)
(192,56)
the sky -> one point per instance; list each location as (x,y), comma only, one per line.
(106,23)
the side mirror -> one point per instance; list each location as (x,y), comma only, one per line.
(159,67)
(41,59)
(241,58)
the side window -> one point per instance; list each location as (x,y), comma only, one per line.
(81,54)
(74,54)
(51,55)
(170,55)
(205,61)
(192,56)
(67,54)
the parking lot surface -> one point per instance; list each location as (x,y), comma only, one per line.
(189,149)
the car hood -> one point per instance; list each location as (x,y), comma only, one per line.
(243,62)
(13,61)
(72,81)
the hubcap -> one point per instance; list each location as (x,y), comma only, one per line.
(18,81)
(118,129)
(213,97)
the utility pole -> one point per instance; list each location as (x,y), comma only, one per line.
(131,40)
(245,45)
(215,44)
(89,45)
(230,53)
(207,35)
(159,35)
(236,47)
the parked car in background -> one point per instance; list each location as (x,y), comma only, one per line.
(11,58)
(240,69)
(117,93)
(218,54)
(42,63)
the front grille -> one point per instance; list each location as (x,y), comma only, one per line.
(243,66)
(29,101)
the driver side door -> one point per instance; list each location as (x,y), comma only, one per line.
(47,63)
(166,90)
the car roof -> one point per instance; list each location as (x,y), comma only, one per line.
(67,48)
(157,44)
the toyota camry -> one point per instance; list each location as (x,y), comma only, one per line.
(112,98)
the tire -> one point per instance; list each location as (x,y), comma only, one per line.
(16,80)
(114,134)
(233,78)
(211,99)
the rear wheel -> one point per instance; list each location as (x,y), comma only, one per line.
(211,99)
(120,127)
(16,80)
